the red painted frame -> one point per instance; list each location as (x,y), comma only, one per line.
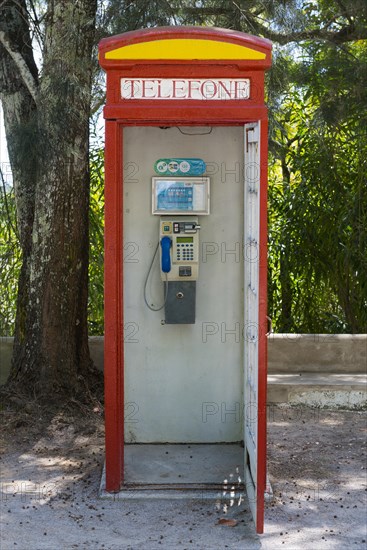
(263,330)
(119,113)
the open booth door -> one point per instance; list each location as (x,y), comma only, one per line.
(254,341)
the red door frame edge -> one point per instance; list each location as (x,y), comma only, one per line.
(113,307)
(262,357)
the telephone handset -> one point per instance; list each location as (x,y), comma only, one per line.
(166,243)
(179,250)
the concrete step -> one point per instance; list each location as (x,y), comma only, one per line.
(319,390)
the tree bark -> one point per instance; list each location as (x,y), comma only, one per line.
(51,340)
(20,119)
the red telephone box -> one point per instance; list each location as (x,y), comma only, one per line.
(186,78)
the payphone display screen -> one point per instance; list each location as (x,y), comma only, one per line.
(185,239)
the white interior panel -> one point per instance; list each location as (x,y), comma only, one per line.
(184,383)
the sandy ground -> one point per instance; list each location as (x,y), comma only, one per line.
(51,467)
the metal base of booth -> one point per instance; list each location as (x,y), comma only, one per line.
(204,471)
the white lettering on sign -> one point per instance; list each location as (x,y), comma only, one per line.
(172,88)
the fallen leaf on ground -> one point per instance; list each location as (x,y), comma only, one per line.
(227,522)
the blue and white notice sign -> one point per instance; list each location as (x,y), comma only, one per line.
(180,167)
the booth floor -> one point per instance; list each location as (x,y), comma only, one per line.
(153,470)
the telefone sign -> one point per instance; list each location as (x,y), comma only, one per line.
(195,89)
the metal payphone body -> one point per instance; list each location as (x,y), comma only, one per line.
(179,261)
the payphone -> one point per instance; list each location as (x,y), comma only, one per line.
(179,264)
(178,242)
(179,252)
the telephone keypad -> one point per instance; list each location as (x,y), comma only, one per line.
(185,252)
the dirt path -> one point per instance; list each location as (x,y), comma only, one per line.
(317,464)
(51,467)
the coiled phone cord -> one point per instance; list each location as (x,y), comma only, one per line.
(146,283)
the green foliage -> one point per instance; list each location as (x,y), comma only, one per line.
(10,260)
(96,216)
(10,254)
(318,194)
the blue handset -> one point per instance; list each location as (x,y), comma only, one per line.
(166,243)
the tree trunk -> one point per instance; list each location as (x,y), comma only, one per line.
(20,119)
(51,340)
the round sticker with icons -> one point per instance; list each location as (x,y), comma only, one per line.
(173,167)
(184,166)
(161,166)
